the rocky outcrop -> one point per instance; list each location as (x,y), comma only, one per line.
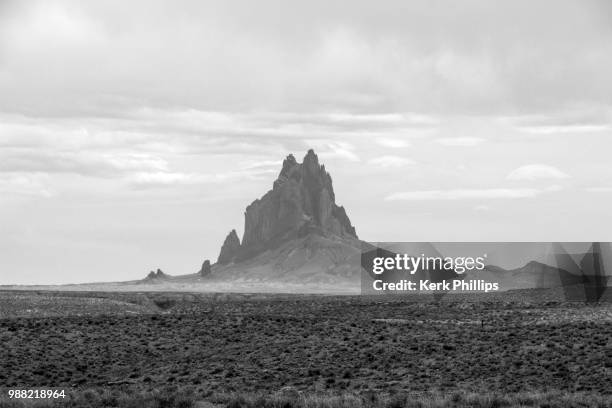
(301,201)
(159,274)
(205,270)
(230,248)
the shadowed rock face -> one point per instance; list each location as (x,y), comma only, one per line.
(230,248)
(301,201)
(205,270)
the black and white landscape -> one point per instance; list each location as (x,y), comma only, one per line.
(193,195)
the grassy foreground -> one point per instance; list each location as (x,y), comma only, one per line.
(289,398)
(458,399)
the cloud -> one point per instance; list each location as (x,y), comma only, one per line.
(550,130)
(160,132)
(460,141)
(393,143)
(84,163)
(154,179)
(347,57)
(274,164)
(533,172)
(599,189)
(391,161)
(390,119)
(161,178)
(23,184)
(328,149)
(464,194)
(575,120)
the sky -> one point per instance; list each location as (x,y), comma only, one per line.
(134,134)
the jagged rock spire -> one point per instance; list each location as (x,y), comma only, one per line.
(206,269)
(230,248)
(302,198)
(302,201)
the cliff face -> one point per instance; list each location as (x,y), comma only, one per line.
(301,201)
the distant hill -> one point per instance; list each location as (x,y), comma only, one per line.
(531,275)
(587,282)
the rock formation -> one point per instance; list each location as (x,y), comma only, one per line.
(294,233)
(230,248)
(205,270)
(157,275)
(301,201)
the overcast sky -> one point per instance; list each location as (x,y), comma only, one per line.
(133,134)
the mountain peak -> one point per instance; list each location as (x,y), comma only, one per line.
(301,202)
(311,160)
(288,164)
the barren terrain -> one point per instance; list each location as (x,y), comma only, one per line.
(249,344)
